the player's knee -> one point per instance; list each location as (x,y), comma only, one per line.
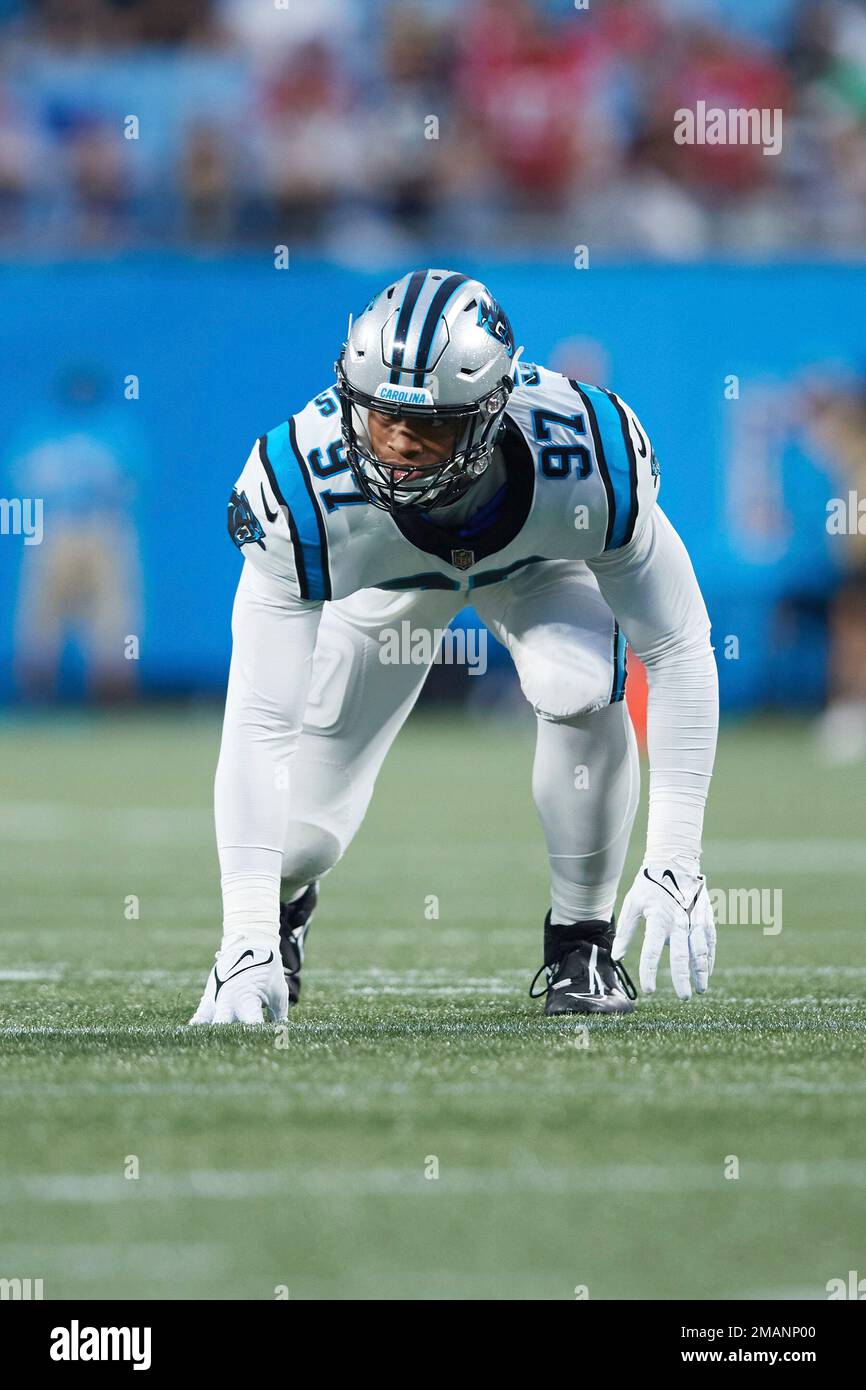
(568,713)
(310,852)
(559,695)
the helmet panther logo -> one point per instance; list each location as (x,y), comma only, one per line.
(494,321)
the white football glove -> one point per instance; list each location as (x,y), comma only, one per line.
(677,910)
(245,979)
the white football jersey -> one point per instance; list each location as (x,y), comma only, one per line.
(581,477)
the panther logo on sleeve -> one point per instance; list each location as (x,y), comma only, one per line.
(244,526)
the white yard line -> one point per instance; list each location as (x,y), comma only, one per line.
(44,976)
(23,821)
(240,1185)
(760,1089)
(797,857)
(797,1293)
(373,982)
(89,1260)
(85,1031)
(146,826)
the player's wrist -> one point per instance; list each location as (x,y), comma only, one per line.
(251,908)
(672,858)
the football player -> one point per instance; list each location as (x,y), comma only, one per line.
(439,469)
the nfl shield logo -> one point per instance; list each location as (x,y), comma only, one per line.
(463,559)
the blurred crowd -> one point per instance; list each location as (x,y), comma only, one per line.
(361,128)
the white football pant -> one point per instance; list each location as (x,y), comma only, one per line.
(568,656)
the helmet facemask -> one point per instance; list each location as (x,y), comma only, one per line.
(477,426)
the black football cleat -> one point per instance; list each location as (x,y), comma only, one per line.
(295,921)
(581,975)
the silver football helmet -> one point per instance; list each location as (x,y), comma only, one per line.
(435,345)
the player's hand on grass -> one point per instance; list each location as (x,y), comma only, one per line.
(677,910)
(245,981)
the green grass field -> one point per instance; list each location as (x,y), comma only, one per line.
(266,1163)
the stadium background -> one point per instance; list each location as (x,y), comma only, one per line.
(722,298)
(146,337)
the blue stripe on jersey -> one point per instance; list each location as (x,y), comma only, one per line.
(478,581)
(631,460)
(309,534)
(619,671)
(430,580)
(616,463)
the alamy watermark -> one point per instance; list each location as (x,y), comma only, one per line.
(846,516)
(22,516)
(449,646)
(748,907)
(77,1343)
(21,1290)
(853,1287)
(713,125)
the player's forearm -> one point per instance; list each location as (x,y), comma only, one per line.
(682,725)
(273,643)
(653,591)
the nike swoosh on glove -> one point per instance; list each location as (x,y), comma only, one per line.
(245,980)
(677,910)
